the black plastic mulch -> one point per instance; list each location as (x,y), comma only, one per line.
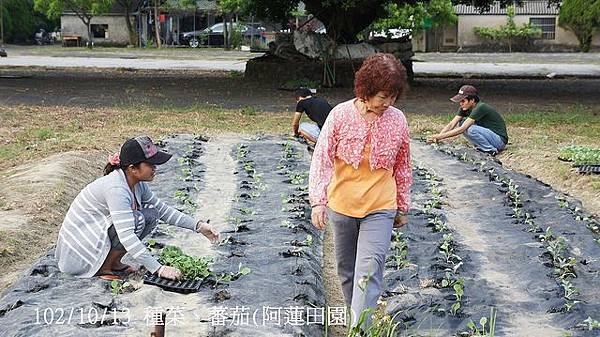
(519,251)
(270,231)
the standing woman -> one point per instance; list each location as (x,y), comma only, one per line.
(110,216)
(360,178)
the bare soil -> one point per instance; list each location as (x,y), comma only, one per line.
(35,199)
(109,88)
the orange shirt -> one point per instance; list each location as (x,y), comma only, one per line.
(359,192)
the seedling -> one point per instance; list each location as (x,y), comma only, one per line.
(242,151)
(565,267)
(183,197)
(570,304)
(580,155)
(297,178)
(592,324)
(288,224)
(306,243)
(569,290)
(458,287)
(556,247)
(438,224)
(547,235)
(192,268)
(382,324)
(180,195)
(237,224)
(400,250)
(186,174)
(247,211)
(296,252)
(249,167)
(228,277)
(483,322)
(116,287)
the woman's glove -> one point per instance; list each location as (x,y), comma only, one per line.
(170,273)
(207,230)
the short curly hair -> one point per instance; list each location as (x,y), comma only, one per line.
(380,72)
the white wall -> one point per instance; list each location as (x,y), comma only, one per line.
(466,24)
(117,28)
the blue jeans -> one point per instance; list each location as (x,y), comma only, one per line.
(484,139)
(310,129)
(145,221)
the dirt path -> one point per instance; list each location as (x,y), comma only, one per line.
(498,251)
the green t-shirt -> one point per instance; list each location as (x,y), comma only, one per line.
(487,117)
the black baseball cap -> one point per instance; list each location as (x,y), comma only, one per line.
(463,92)
(303,92)
(140,149)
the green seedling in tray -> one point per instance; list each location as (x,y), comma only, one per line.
(580,155)
(191,267)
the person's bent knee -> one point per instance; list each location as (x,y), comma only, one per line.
(471,131)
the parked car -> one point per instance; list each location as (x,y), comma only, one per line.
(213,35)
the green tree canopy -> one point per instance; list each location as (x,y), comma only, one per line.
(344,19)
(582,17)
(21,21)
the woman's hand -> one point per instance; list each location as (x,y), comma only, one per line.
(432,139)
(400,220)
(209,232)
(319,216)
(170,273)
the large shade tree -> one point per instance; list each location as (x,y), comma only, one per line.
(344,19)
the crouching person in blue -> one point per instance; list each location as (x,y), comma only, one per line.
(111,215)
(480,123)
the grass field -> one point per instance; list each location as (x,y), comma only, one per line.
(30,133)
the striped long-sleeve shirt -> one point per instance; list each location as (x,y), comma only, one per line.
(83,241)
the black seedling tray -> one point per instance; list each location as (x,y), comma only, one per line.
(589,169)
(182,287)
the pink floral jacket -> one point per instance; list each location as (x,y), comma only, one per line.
(344,136)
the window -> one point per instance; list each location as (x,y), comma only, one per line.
(100,31)
(547,25)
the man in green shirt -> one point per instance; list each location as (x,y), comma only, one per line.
(481,124)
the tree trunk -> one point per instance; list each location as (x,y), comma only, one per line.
(2,22)
(133,36)
(90,42)
(157,24)
(226,32)
(585,42)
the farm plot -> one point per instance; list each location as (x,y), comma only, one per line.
(262,280)
(485,248)
(485,245)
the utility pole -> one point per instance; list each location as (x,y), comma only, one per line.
(2,22)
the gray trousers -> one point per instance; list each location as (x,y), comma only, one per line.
(361,245)
(146,220)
